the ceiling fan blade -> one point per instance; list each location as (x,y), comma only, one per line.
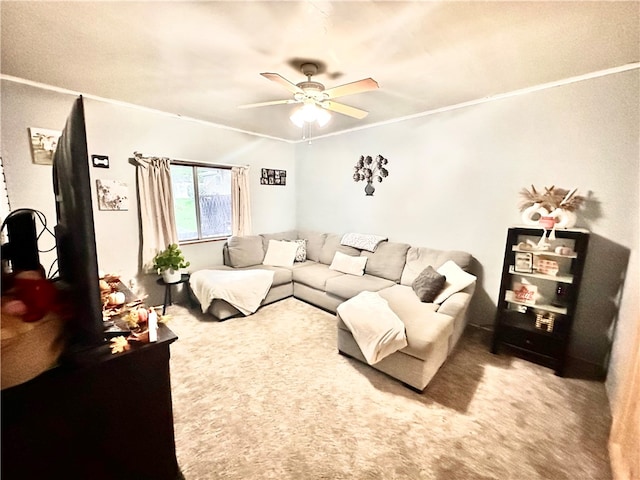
(364,85)
(264,104)
(274,77)
(345,109)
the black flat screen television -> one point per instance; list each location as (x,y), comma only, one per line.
(75,233)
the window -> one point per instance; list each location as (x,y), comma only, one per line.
(201,201)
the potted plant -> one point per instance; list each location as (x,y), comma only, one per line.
(169,262)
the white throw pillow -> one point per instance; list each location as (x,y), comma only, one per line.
(457,279)
(280,253)
(348,264)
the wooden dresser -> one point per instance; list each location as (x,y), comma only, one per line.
(101,416)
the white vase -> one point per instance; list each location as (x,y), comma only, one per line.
(532,214)
(171,276)
(564,218)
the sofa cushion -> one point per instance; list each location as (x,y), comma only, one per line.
(245,251)
(281,275)
(280,253)
(287,235)
(428,284)
(419,258)
(315,241)
(348,264)
(457,279)
(331,246)
(387,261)
(314,275)
(304,264)
(348,286)
(424,326)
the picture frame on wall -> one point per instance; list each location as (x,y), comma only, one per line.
(112,195)
(271,176)
(43,144)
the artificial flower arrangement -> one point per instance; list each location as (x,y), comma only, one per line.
(141,321)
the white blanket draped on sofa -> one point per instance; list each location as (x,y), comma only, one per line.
(244,289)
(375,327)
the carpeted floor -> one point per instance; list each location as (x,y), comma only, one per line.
(269,397)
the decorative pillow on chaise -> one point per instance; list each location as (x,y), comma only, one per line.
(428,284)
(457,279)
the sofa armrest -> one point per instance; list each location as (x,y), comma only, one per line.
(456,306)
(456,303)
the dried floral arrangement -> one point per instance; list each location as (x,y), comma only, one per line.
(551,199)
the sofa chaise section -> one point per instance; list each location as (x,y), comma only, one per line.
(430,336)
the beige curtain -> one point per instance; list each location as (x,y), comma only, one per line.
(158,221)
(240,201)
(624,440)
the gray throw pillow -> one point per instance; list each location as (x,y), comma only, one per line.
(428,284)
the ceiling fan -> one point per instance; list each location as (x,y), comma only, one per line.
(312,95)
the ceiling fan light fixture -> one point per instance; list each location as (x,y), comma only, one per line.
(297,117)
(323,116)
(317,103)
(310,113)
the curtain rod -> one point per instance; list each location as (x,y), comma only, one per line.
(190,162)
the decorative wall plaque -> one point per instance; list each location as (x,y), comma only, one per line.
(272,176)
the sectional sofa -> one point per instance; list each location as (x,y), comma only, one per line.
(432,329)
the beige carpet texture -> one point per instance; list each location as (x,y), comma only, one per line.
(268,396)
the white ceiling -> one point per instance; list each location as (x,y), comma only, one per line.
(203,59)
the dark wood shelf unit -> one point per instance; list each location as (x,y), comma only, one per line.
(527,322)
(515,321)
(97,416)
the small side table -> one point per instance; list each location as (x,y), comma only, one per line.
(184,278)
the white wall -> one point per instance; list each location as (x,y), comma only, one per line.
(118,131)
(30,185)
(455,179)
(151,133)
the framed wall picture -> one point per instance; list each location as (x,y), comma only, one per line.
(43,144)
(523,262)
(112,195)
(271,176)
